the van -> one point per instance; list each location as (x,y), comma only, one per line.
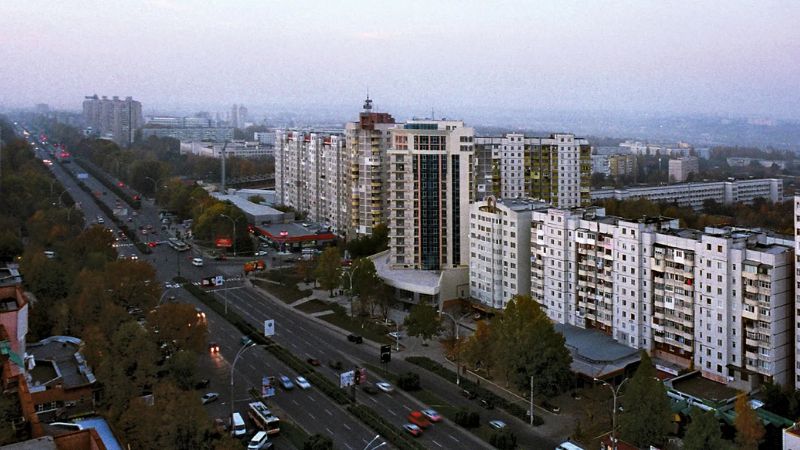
(237,425)
(49,254)
(259,442)
(197,262)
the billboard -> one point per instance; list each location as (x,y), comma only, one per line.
(347,378)
(267,386)
(269,327)
(224,241)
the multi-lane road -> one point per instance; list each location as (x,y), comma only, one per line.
(305,337)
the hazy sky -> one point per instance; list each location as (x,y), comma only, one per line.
(727,56)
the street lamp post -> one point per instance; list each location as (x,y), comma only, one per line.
(458,348)
(615,393)
(155,185)
(233,366)
(160,299)
(234,231)
(377,436)
(61,195)
(350,273)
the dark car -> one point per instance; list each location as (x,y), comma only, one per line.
(335,365)
(202,384)
(313,362)
(487,403)
(355,338)
(369,389)
(469,394)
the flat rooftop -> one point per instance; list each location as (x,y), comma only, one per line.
(40,443)
(294,231)
(595,354)
(9,276)
(67,362)
(705,389)
(413,280)
(254,209)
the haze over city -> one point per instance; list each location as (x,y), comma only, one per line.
(467,59)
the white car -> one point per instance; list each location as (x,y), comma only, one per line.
(302,382)
(385,387)
(259,442)
(197,262)
(497,424)
(396,335)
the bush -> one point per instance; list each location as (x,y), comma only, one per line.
(467,419)
(318,442)
(408,381)
(503,439)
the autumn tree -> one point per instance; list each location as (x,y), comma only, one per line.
(179,326)
(318,442)
(366,284)
(704,432)
(423,321)
(328,269)
(749,429)
(478,351)
(646,417)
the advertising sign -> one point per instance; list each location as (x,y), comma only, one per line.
(223,241)
(269,327)
(267,386)
(347,379)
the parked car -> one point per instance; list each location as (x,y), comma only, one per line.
(355,338)
(385,387)
(302,383)
(497,424)
(396,335)
(202,384)
(209,397)
(412,429)
(550,407)
(469,394)
(286,382)
(313,362)
(220,426)
(432,415)
(487,403)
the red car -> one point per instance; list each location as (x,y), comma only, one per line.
(419,419)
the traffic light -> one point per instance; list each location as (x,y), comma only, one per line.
(386,353)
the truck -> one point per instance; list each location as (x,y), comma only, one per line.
(257,265)
(263,418)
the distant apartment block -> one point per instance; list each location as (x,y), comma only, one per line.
(643,148)
(681,168)
(694,194)
(238,117)
(237,148)
(311,175)
(499,260)
(768,163)
(186,129)
(720,300)
(265,137)
(556,169)
(429,185)
(113,117)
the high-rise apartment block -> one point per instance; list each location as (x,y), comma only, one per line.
(720,300)
(114,117)
(368,141)
(499,259)
(429,184)
(556,169)
(797,291)
(238,116)
(311,174)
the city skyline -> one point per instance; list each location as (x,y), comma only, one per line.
(453,57)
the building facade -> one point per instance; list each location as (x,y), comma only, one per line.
(681,168)
(429,184)
(113,117)
(719,300)
(694,194)
(556,169)
(207,134)
(499,262)
(238,149)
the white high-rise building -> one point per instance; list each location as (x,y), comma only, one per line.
(720,300)
(113,117)
(499,261)
(429,182)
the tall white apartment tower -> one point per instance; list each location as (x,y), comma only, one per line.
(499,259)
(429,182)
(797,290)
(367,142)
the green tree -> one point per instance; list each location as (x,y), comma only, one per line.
(366,284)
(647,415)
(503,439)
(182,369)
(478,350)
(704,432)
(528,346)
(749,429)
(318,442)
(423,322)
(328,269)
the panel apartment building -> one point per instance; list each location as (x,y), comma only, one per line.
(718,300)
(311,175)
(555,169)
(114,117)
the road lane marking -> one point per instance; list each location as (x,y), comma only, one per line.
(295,402)
(440,445)
(346,426)
(348,445)
(453,438)
(407,408)
(329,412)
(373,399)
(392,412)
(312,416)
(329,431)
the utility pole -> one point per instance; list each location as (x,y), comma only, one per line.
(531,400)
